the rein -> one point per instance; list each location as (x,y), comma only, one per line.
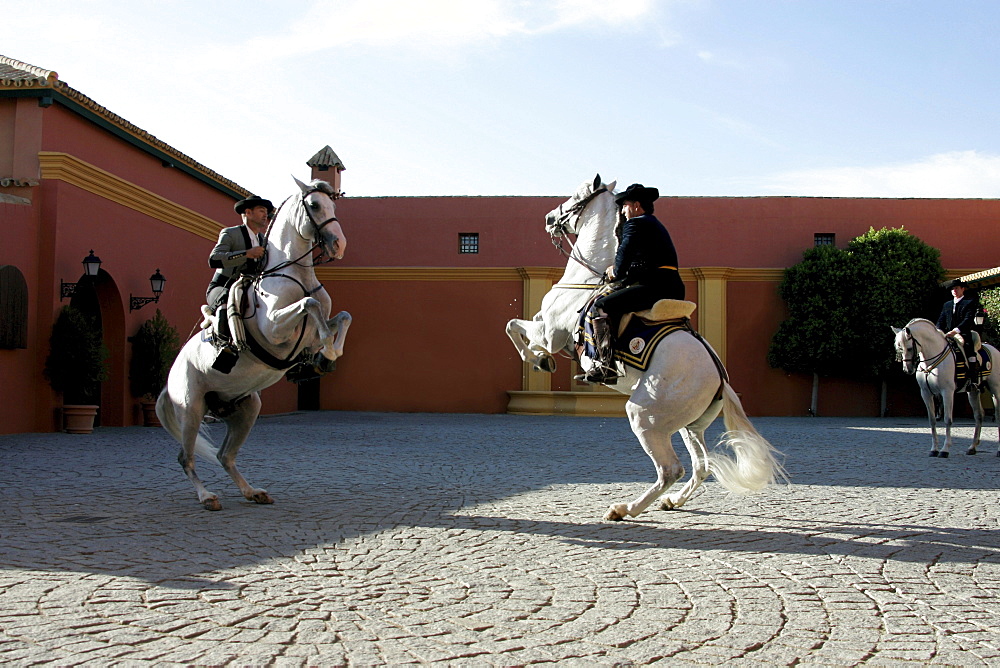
(259,351)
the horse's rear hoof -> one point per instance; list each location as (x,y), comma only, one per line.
(261,497)
(212,504)
(943,455)
(971,451)
(934,453)
(615,513)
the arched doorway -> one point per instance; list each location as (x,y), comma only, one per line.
(99,298)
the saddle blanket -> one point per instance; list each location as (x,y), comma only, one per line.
(636,343)
(962,369)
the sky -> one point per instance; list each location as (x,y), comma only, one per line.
(839,98)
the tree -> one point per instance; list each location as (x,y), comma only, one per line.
(902,275)
(76,364)
(154,348)
(817,335)
(841,304)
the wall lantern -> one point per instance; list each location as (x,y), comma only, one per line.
(156,282)
(91,265)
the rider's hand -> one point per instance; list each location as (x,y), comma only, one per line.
(609,273)
(255,253)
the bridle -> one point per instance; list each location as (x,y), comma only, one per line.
(560,231)
(274,272)
(914,360)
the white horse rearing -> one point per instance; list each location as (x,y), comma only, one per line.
(289,311)
(681,390)
(925,353)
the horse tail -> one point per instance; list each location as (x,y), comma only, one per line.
(166,410)
(755,465)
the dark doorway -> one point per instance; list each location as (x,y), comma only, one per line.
(309,395)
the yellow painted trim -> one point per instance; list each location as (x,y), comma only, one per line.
(83,175)
(583,404)
(417,274)
(712,301)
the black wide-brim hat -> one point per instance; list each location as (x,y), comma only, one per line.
(251,202)
(955,282)
(637,193)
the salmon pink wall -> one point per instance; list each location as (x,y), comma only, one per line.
(425,346)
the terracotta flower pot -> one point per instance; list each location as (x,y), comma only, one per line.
(149,417)
(79,419)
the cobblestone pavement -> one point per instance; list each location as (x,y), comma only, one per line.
(478,540)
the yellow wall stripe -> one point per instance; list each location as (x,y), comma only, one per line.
(72,170)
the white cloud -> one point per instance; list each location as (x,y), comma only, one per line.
(954,174)
(428,25)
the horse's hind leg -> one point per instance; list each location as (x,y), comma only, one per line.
(694,439)
(238,428)
(975,401)
(189,435)
(656,443)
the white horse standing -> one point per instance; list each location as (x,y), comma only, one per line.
(924,352)
(289,311)
(681,390)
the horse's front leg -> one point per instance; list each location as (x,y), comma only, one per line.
(526,336)
(928,398)
(283,324)
(238,428)
(339,324)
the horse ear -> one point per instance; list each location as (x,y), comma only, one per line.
(597,182)
(611,186)
(895,330)
(303,187)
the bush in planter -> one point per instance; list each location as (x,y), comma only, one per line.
(76,364)
(154,348)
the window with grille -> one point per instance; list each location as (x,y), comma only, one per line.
(468,242)
(824,239)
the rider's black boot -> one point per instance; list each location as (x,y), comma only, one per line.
(604,371)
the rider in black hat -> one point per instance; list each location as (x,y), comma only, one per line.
(645,268)
(239,248)
(958,318)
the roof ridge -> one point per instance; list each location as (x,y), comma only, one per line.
(42,76)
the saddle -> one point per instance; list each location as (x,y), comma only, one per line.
(985,366)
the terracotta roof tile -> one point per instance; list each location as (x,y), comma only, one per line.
(326,158)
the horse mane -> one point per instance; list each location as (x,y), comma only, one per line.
(323,187)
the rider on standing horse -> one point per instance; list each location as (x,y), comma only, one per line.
(958,318)
(645,269)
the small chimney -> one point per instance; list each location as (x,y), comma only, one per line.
(327,166)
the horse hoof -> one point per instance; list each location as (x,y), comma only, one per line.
(934,453)
(261,497)
(212,503)
(971,451)
(943,455)
(667,504)
(615,514)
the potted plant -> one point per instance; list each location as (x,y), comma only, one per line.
(76,366)
(154,348)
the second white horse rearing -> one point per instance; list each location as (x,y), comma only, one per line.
(681,389)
